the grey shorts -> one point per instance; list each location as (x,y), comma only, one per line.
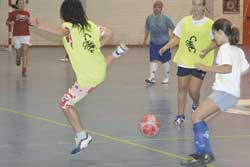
(223,100)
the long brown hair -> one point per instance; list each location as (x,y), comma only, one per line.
(226,26)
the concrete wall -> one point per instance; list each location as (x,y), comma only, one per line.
(125,17)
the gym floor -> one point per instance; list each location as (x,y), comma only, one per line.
(35,133)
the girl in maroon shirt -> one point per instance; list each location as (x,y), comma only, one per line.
(21,34)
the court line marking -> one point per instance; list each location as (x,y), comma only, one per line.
(245,104)
(36,117)
(237,111)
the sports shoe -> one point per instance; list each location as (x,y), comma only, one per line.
(198,160)
(120,50)
(179,120)
(81,144)
(194,107)
(64,60)
(18,59)
(208,158)
(192,162)
(150,80)
(165,81)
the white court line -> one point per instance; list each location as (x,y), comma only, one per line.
(241,103)
(237,111)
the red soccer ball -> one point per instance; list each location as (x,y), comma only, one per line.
(149,125)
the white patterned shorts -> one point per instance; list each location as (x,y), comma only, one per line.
(74,95)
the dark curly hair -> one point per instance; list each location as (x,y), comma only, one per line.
(72,11)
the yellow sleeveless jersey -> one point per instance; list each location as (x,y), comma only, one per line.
(83,48)
(193,40)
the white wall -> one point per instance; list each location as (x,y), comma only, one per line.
(126,18)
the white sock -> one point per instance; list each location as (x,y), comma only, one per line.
(166,68)
(153,69)
(81,135)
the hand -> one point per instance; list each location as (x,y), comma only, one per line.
(203,53)
(200,66)
(33,21)
(162,50)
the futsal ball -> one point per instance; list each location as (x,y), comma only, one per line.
(149,125)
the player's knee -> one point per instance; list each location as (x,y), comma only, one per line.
(182,87)
(62,105)
(194,93)
(65,106)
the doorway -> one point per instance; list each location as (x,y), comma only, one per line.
(246,23)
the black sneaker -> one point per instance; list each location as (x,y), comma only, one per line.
(207,158)
(150,80)
(18,59)
(194,162)
(179,120)
(199,160)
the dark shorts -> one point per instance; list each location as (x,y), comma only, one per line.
(182,71)
(154,53)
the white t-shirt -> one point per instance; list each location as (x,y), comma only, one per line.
(230,82)
(178,28)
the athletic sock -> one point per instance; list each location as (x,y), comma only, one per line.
(81,135)
(201,138)
(166,70)
(152,69)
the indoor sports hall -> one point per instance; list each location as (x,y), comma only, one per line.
(35,133)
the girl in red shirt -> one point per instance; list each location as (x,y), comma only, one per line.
(21,34)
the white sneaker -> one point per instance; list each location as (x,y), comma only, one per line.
(120,50)
(165,81)
(64,60)
(81,144)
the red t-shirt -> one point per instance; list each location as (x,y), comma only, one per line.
(21,22)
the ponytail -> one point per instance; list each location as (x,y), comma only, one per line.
(226,26)
(14,6)
(234,36)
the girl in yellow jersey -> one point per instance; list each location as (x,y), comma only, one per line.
(82,40)
(194,36)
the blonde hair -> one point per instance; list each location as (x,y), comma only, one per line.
(206,11)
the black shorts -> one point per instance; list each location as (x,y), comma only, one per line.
(182,71)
